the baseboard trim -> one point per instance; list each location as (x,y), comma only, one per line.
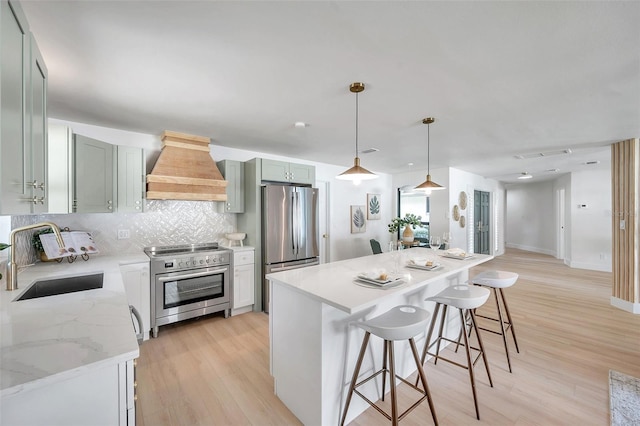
(591,266)
(625,305)
(532,249)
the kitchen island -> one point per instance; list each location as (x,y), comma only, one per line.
(68,358)
(313,345)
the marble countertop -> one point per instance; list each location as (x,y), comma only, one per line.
(333,283)
(54,338)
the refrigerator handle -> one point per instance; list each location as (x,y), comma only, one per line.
(296,229)
(293,221)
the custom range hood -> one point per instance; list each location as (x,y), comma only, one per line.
(185,171)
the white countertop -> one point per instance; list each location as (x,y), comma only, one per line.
(53,338)
(333,283)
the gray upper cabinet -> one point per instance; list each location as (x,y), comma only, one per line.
(282,171)
(93,176)
(15,155)
(233,172)
(130,185)
(90,176)
(39,181)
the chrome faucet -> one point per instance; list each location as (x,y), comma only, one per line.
(12,266)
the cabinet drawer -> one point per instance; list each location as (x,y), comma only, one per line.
(243,258)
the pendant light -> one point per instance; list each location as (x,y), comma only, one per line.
(428,185)
(356,174)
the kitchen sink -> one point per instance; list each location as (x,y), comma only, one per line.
(53,286)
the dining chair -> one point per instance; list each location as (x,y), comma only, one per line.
(375,246)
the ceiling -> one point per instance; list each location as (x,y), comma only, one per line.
(501,78)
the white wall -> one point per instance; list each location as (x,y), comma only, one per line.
(531,217)
(591,227)
(532,222)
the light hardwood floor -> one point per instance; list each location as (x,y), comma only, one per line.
(215,371)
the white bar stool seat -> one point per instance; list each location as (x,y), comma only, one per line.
(498,281)
(466,299)
(402,322)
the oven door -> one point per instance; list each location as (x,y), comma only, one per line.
(195,289)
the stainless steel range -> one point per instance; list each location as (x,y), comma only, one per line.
(188,281)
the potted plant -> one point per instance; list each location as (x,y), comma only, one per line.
(2,247)
(409,221)
(37,244)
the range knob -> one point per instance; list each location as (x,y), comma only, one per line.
(208,260)
(201,261)
(180,264)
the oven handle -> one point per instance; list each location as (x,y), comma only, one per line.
(194,275)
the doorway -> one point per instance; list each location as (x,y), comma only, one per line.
(482,222)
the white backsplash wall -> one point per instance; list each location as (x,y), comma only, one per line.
(164,222)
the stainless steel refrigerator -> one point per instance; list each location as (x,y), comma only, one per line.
(289,230)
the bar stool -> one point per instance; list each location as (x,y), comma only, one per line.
(466,299)
(498,280)
(400,323)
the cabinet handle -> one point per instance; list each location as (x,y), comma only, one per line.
(36,200)
(36,185)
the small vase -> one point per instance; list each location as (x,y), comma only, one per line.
(407,234)
(45,258)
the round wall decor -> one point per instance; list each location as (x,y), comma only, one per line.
(455,213)
(463,221)
(462,200)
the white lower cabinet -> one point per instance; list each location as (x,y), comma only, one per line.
(137,286)
(243,280)
(99,396)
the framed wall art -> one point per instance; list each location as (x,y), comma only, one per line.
(373,207)
(358,222)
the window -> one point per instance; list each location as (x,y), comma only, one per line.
(416,202)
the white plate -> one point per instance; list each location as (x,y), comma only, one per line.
(453,256)
(368,284)
(424,267)
(372,277)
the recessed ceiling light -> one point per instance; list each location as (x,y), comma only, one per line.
(409,164)
(369,150)
(525,175)
(300,124)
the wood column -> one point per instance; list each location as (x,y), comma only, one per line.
(625,168)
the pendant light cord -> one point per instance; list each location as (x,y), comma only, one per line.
(428,149)
(356,124)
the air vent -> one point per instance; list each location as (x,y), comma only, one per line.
(369,150)
(543,154)
(592,163)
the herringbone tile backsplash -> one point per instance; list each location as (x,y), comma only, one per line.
(163,222)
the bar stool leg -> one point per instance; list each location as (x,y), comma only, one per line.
(502,331)
(423,379)
(392,384)
(356,371)
(443,319)
(467,350)
(474,324)
(506,310)
(384,368)
(429,334)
